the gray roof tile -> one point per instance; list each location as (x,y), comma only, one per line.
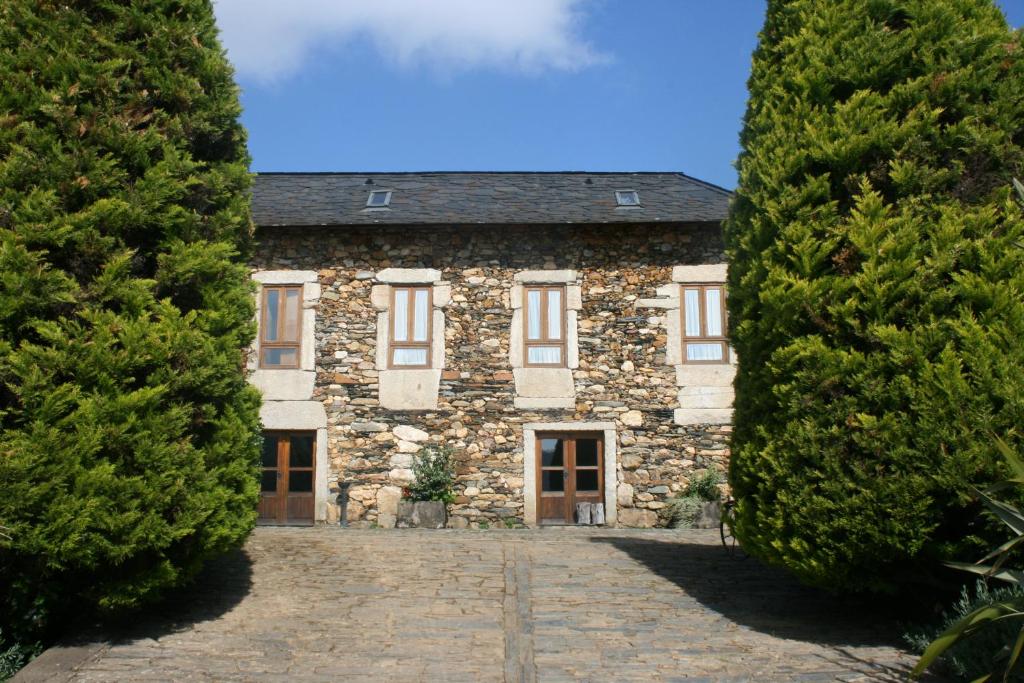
(306,199)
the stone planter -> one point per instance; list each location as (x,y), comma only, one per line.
(709,517)
(422,514)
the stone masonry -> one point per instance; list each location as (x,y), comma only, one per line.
(623,376)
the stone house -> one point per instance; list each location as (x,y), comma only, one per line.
(563,333)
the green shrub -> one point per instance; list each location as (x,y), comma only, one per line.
(970,658)
(13,656)
(705,486)
(876,290)
(986,635)
(129,438)
(435,476)
(683,511)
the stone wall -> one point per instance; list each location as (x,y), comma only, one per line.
(623,376)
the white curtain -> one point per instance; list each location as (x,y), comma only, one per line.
(704,351)
(713,298)
(533,314)
(291,315)
(554,314)
(270,305)
(691,303)
(422,310)
(410,357)
(544,354)
(401,315)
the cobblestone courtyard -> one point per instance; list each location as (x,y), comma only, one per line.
(555,604)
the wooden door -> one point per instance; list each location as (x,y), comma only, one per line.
(570,470)
(286,490)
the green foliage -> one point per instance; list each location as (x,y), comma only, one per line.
(683,511)
(128,436)
(705,486)
(969,658)
(435,476)
(995,626)
(876,291)
(13,656)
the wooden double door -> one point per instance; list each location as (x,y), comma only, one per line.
(286,489)
(570,470)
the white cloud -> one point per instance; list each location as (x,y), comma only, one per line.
(271,39)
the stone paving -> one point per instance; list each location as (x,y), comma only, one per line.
(331,604)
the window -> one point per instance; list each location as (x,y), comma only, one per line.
(379,199)
(627,198)
(545,326)
(281,327)
(410,327)
(703,308)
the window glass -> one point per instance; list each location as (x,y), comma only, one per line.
(533,314)
(713,298)
(401,315)
(271,303)
(586,452)
(291,315)
(552,480)
(300,451)
(422,310)
(704,351)
(586,480)
(544,354)
(551,452)
(410,357)
(554,314)
(273,356)
(627,198)
(268,482)
(269,458)
(300,482)
(691,303)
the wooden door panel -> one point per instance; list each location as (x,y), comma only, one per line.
(300,509)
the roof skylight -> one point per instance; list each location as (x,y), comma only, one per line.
(379,199)
(627,198)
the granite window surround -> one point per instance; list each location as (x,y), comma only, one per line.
(541,388)
(409,388)
(705,389)
(288,384)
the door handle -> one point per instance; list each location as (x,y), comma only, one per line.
(565,474)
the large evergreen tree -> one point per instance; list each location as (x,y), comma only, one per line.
(876,283)
(128,435)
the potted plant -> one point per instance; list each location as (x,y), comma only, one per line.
(425,502)
(700,507)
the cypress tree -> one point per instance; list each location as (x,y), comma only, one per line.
(128,435)
(876,284)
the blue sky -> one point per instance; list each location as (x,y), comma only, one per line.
(545,85)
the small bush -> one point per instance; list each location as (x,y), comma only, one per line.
(970,658)
(683,511)
(705,486)
(435,477)
(13,656)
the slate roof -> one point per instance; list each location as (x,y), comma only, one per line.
(339,199)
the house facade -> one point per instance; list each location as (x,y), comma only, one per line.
(562,333)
